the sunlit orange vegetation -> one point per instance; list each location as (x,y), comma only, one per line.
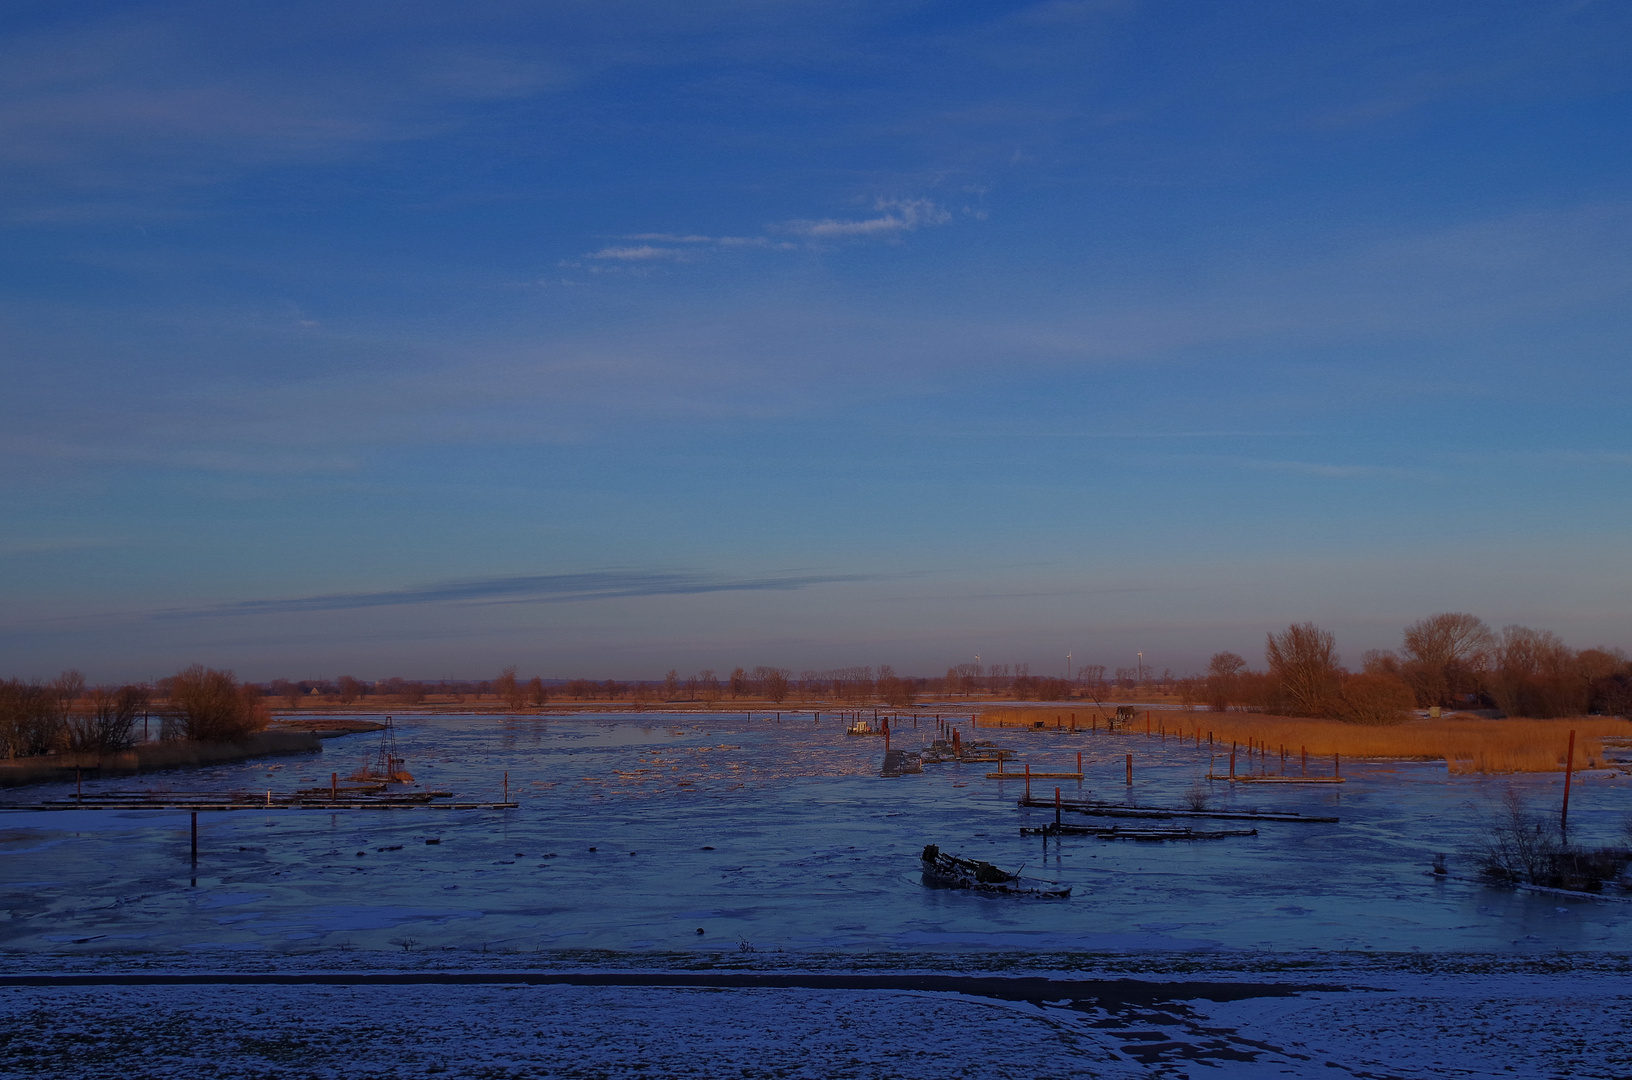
(1472,745)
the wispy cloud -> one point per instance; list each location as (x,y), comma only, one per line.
(895,216)
(528,589)
(681,247)
(643,253)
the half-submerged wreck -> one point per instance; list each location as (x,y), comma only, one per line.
(945,871)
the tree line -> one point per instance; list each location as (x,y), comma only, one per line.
(66,716)
(1451,660)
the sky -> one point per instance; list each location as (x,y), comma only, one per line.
(416,339)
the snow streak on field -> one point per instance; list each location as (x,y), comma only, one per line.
(1471,1027)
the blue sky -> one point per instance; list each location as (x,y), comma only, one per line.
(422,339)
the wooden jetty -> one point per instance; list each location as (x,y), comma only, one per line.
(1280,779)
(1123,810)
(1145,834)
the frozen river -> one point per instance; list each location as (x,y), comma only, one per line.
(635,832)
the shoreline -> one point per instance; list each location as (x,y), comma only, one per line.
(155,757)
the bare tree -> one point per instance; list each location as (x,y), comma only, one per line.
(288,691)
(739,683)
(893,689)
(671,685)
(1303,658)
(1443,655)
(1092,679)
(30,718)
(708,686)
(772,683)
(509,689)
(348,689)
(536,694)
(210,706)
(1534,674)
(1223,675)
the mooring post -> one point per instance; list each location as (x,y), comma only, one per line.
(1056,809)
(1028,777)
(1569,766)
(79,791)
(886,736)
(506,786)
(1079,764)
(195,838)
(1130,770)
(957,746)
(1337,765)
(1305,750)
(334,787)
(1232,761)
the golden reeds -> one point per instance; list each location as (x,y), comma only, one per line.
(1470,745)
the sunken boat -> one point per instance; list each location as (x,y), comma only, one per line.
(946,871)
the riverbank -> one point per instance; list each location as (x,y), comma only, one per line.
(152,757)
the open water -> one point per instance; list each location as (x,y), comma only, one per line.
(634,832)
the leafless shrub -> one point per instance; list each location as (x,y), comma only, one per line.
(1522,847)
(105,721)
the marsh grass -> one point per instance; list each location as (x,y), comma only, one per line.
(1471,745)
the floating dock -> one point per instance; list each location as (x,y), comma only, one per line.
(1123,810)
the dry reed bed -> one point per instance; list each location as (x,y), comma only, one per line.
(1473,745)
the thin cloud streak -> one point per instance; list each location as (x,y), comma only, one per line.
(528,589)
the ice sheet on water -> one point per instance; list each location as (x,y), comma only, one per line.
(809,844)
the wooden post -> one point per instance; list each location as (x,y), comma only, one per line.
(79,791)
(1073,722)
(1232,761)
(886,736)
(195,837)
(506,786)
(1130,770)
(1028,775)
(1056,809)
(1337,765)
(1569,766)
(334,787)
(1305,761)
(1079,764)
(957,747)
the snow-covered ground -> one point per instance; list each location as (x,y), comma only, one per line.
(1395,1024)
